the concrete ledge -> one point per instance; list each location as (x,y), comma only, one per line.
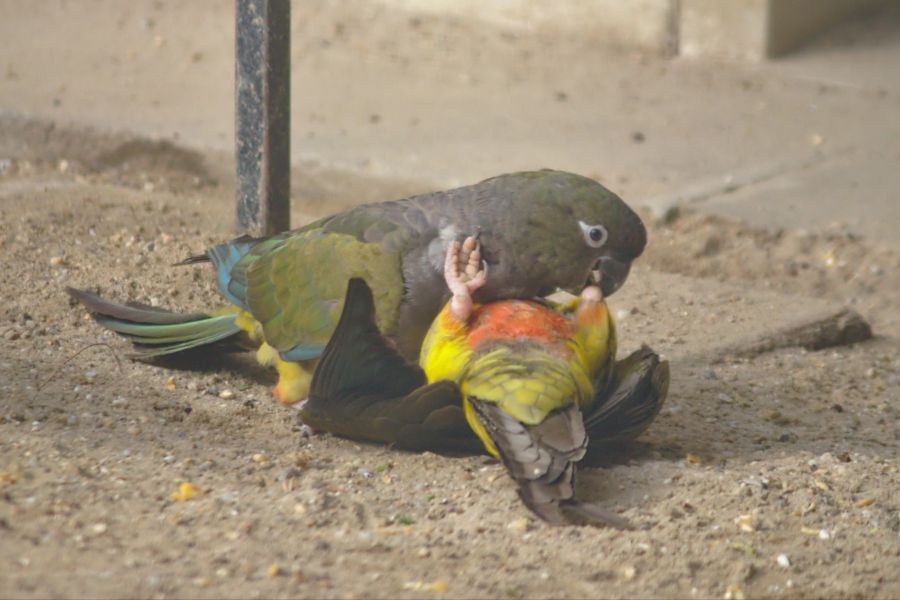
(791,22)
(643,24)
(731,29)
(758,29)
(750,30)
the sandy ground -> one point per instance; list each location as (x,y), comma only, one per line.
(772,476)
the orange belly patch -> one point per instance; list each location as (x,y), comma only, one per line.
(517,319)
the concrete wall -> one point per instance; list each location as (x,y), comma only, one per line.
(758,29)
(642,24)
(791,22)
(722,29)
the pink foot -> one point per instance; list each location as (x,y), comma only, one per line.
(464,272)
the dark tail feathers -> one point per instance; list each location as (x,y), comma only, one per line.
(155,331)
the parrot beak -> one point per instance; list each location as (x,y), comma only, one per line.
(612,272)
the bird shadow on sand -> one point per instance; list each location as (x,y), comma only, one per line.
(202,360)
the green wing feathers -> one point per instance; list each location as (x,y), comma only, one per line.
(296,291)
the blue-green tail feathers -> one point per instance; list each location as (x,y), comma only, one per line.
(154,331)
(224,258)
(232,259)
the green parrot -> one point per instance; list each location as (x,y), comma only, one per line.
(533,384)
(540,231)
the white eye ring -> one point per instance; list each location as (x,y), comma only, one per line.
(594,235)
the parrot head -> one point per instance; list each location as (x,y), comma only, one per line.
(561,230)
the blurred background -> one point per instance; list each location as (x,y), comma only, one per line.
(663,101)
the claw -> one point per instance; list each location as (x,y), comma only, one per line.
(464,272)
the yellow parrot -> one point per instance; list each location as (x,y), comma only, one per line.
(530,379)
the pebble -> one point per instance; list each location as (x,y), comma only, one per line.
(228,497)
(57,261)
(518,524)
(745,522)
(783,561)
(186,491)
(809,531)
(438,586)
(629,572)
(226,394)
(99,528)
(733,592)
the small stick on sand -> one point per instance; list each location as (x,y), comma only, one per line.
(840,328)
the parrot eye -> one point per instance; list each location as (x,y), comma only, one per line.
(594,235)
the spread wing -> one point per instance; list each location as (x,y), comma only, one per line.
(364,389)
(632,400)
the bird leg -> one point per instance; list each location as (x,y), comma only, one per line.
(464,272)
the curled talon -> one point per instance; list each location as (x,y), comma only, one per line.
(473,265)
(464,272)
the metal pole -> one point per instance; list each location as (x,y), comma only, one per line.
(263,115)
